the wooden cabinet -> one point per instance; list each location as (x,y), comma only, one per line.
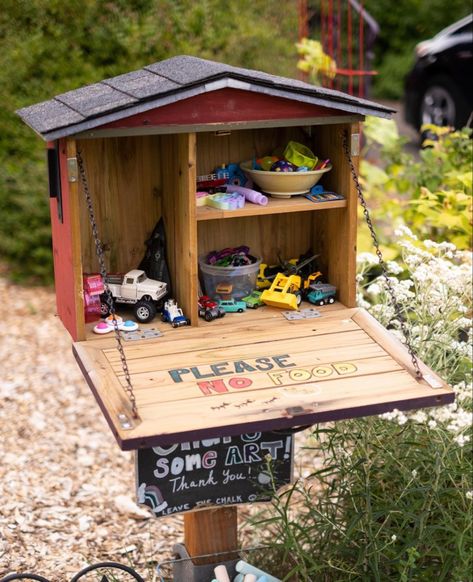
(143,138)
(136,180)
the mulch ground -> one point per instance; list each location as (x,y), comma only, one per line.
(67,491)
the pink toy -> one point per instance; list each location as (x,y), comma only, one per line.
(250,195)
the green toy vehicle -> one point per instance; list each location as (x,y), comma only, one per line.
(253,300)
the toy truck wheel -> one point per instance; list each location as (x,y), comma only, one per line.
(298,298)
(104,309)
(208,316)
(331,300)
(240,310)
(322,302)
(145,311)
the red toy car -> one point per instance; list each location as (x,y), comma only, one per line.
(208,309)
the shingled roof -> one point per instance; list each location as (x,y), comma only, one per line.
(169,81)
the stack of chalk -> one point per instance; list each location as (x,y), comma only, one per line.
(246,573)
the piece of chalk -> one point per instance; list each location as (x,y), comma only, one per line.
(245,568)
(249,578)
(238,578)
(221,574)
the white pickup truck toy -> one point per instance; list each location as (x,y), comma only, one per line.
(135,288)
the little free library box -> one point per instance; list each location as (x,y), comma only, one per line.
(142,139)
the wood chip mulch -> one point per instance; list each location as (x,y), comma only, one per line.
(67,491)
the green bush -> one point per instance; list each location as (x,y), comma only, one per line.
(431,193)
(402,25)
(50,46)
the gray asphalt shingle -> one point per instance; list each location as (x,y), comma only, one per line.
(151,87)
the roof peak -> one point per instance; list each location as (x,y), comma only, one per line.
(177,77)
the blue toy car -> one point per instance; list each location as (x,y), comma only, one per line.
(232,306)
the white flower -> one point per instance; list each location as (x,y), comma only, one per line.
(374,289)
(393,537)
(368,258)
(432,424)
(469,494)
(404,230)
(414,473)
(461,440)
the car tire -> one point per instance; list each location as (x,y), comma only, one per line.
(240,310)
(145,311)
(442,104)
(208,316)
(331,300)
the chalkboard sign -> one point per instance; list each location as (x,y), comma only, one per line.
(219,471)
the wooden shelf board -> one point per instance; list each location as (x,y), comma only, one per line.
(274,206)
(254,371)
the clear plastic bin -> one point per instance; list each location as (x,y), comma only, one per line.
(228,282)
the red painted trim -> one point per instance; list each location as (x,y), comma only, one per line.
(224,106)
(62,250)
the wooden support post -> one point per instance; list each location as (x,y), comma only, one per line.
(211,531)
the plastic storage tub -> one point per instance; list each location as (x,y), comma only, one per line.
(226,282)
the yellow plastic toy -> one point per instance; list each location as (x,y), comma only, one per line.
(287,291)
(284,292)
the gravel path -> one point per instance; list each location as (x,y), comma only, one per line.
(67,491)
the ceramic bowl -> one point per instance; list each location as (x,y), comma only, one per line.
(284,184)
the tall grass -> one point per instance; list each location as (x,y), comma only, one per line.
(393,500)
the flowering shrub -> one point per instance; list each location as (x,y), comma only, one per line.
(393,499)
(431,192)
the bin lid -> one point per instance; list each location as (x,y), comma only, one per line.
(253,372)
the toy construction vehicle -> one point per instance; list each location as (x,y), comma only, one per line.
(321,294)
(289,288)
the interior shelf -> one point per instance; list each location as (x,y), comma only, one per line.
(274,206)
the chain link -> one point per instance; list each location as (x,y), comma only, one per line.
(108,294)
(394,300)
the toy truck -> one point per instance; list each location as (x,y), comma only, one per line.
(173,314)
(322,293)
(136,289)
(287,291)
(209,309)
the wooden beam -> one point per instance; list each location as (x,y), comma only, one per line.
(211,531)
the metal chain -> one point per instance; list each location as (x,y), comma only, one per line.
(394,300)
(103,272)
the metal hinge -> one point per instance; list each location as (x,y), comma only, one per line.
(72,170)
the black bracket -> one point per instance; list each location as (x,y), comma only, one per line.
(54,175)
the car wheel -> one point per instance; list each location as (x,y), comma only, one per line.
(208,316)
(145,311)
(331,300)
(442,104)
(240,310)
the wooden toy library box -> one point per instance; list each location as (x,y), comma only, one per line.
(144,137)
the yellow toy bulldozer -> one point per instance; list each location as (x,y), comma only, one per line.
(288,290)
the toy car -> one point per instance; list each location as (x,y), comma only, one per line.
(253,300)
(321,294)
(209,309)
(173,314)
(137,289)
(232,306)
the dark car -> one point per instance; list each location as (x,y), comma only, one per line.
(439,88)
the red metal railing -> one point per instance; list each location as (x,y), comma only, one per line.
(347,33)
